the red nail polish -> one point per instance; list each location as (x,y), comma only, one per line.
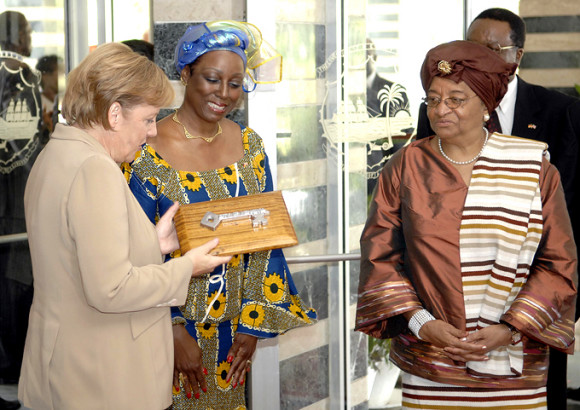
(230,359)
(204,389)
(176,389)
(234,385)
(205,371)
(242,383)
(188,395)
(228,379)
(197,396)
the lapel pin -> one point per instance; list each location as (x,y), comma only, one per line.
(532,126)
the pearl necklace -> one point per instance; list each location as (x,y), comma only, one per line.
(189,136)
(464,162)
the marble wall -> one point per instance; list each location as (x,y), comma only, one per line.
(552,50)
(188,10)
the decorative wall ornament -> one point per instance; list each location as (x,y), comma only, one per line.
(375,114)
(20,114)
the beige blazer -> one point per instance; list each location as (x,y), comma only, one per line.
(99,334)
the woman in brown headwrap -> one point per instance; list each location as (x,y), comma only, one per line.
(468,261)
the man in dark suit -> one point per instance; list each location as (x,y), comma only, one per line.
(534,112)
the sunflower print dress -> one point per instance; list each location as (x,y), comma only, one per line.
(254,294)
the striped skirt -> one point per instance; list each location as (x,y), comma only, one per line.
(419,393)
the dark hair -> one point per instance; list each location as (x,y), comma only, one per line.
(48,64)
(516,23)
(11,25)
(141,47)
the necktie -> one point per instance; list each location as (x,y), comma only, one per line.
(493,124)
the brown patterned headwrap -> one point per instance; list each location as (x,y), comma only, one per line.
(485,72)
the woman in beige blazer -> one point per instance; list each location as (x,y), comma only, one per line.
(99,334)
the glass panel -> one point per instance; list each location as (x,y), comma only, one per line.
(303,175)
(393,95)
(32,64)
(324,137)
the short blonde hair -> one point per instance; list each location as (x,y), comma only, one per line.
(112,73)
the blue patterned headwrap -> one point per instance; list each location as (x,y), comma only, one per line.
(262,62)
(199,39)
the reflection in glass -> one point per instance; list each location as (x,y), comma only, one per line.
(31,39)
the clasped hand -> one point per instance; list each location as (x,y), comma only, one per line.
(189,363)
(460,346)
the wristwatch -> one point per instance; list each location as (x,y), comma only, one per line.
(516,335)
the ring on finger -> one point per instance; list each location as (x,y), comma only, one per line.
(248,362)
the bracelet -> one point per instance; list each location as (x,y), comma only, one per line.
(178,320)
(418,320)
(516,335)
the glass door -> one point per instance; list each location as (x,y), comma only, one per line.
(32,67)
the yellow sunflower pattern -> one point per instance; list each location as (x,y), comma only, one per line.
(156,157)
(221,374)
(274,288)
(127,171)
(228,174)
(218,306)
(157,177)
(205,330)
(258,163)
(299,312)
(253,314)
(190,180)
(297,307)
(235,261)
(267,289)
(235,322)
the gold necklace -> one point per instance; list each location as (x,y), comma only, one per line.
(189,136)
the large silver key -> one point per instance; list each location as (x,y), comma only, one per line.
(258,216)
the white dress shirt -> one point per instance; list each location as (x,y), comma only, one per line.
(507,107)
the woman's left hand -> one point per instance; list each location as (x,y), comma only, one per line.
(239,356)
(476,345)
(166,232)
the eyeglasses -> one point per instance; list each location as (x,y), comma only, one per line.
(497,48)
(451,102)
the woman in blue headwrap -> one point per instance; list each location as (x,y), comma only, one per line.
(200,155)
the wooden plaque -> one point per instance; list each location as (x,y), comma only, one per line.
(239,236)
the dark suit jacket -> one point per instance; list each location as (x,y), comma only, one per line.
(550,116)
